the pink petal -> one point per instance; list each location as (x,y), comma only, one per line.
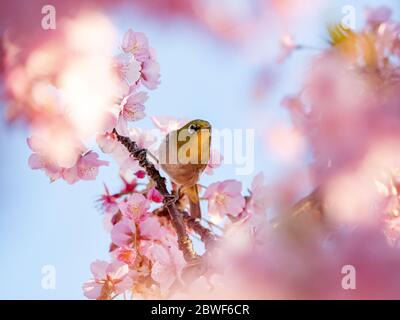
(109,121)
(150,228)
(70,175)
(235,205)
(378,15)
(128,41)
(107,142)
(125,284)
(258,181)
(232,187)
(159,253)
(98,269)
(150,74)
(137,98)
(122,232)
(88,166)
(91,289)
(211,190)
(117,270)
(125,254)
(214,209)
(154,195)
(164,275)
(35,161)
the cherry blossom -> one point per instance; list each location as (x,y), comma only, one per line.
(107,142)
(135,206)
(137,44)
(167,124)
(108,279)
(137,62)
(133,106)
(260,196)
(150,228)
(125,254)
(150,74)
(128,69)
(56,144)
(378,15)
(225,198)
(154,195)
(86,168)
(144,138)
(168,265)
(109,202)
(124,232)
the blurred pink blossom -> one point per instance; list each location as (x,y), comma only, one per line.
(225,198)
(137,44)
(288,45)
(215,161)
(260,196)
(377,15)
(86,168)
(36,162)
(167,124)
(56,143)
(168,265)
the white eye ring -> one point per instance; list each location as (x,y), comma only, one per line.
(192,129)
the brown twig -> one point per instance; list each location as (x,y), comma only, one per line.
(206,236)
(177,219)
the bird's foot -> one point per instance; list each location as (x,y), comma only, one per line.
(171,199)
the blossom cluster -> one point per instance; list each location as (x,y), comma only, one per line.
(347,111)
(70,89)
(146,260)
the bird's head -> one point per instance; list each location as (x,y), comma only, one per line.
(194,140)
(196,126)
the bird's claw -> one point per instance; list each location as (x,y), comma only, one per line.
(170,199)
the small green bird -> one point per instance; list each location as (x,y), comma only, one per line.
(183,155)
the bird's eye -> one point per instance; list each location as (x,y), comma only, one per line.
(192,128)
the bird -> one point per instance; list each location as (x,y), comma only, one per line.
(183,156)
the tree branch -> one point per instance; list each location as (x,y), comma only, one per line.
(206,236)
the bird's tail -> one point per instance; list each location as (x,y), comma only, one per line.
(194,202)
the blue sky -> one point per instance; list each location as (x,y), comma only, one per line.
(57,224)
